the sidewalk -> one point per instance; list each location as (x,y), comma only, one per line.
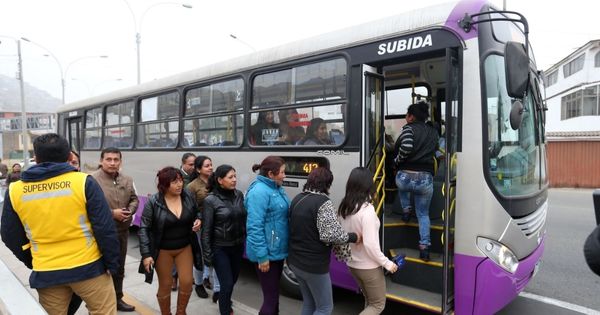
(137,292)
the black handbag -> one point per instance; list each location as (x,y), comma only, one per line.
(148,275)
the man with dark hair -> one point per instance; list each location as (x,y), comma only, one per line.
(122,199)
(57,222)
(187,168)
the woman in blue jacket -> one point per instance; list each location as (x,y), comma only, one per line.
(267,228)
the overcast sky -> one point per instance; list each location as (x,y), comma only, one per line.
(176,39)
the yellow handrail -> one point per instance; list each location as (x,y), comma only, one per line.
(380,168)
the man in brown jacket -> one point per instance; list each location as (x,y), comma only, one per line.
(120,194)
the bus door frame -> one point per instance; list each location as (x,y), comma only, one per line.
(370,157)
(452,136)
(74,143)
(371,74)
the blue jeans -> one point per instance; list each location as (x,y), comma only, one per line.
(420,184)
(227,262)
(206,273)
(317,297)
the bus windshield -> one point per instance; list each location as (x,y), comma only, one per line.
(513,164)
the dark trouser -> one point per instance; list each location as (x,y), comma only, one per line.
(227,262)
(269,282)
(118,278)
(74,304)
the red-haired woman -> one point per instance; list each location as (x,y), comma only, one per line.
(168,220)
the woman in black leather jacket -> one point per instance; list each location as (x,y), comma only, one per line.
(224,231)
(168,220)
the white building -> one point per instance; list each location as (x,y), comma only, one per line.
(573,91)
(573,118)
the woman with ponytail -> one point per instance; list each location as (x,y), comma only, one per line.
(268,234)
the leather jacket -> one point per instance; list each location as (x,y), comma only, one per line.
(153,222)
(223,221)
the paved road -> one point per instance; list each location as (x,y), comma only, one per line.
(564,274)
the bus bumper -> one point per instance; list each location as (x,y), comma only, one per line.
(482,287)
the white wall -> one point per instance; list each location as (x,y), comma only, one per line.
(588,76)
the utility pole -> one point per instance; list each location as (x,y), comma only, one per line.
(23,111)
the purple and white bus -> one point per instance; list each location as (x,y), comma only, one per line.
(470,61)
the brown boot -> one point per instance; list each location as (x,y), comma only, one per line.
(182,302)
(164,303)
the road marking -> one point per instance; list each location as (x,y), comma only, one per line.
(566,305)
(140,307)
(243,307)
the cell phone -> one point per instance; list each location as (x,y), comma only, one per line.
(151,268)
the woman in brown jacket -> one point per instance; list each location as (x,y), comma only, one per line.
(204,169)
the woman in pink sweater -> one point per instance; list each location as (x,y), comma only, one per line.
(358,215)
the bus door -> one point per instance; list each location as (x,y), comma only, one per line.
(451,116)
(372,153)
(73,133)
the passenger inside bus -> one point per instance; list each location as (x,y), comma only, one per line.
(316,133)
(415,148)
(265,131)
(290,127)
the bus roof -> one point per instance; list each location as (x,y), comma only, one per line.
(446,14)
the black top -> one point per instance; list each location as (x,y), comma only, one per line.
(306,251)
(223,221)
(415,147)
(154,216)
(177,231)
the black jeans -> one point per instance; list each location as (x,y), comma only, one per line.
(227,262)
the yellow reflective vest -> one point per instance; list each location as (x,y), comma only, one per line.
(53,213)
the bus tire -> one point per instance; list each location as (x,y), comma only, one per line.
(288,283)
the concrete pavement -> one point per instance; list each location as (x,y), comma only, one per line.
(137,292)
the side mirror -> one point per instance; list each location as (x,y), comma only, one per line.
(517,69)
(516,115)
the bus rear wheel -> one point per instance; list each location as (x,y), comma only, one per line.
(289,284)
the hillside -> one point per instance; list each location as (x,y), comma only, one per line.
(36,100)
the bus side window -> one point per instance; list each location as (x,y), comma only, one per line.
(336,135)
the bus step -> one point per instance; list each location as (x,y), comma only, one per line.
(416,297)
(400,235)
(417,273)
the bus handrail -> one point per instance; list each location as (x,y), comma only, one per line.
(380,186)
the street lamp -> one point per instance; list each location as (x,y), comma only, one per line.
(23,111)
(138,30)
(63,74)
(243,42)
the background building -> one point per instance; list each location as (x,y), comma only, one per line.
(41,117)
(573,118)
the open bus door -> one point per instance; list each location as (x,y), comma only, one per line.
(373,153)
(73,133)
(451,137)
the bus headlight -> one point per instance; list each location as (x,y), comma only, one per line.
(499,253)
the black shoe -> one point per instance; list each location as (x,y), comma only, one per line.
(206,283)
(124,307)
(200,291)
(174,284)
(424,253)
(405,216)
(215,297)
